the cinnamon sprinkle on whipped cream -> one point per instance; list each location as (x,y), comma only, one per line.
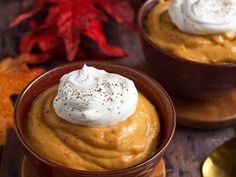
(94,97)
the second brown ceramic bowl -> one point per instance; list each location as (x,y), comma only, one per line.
(180,76)
(150,88)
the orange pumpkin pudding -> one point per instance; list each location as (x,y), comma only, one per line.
(93,121)
(200,31)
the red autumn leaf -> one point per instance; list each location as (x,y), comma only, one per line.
(46,39)
(119,9)
(94,31)
(68,20)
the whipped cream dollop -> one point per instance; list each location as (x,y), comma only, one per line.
(94,97)
(204,16)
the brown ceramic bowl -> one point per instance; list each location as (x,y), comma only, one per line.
(150,88)
(180,76)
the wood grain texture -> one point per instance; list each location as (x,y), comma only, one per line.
(188,148)
(11,157)
(212,114)
(1,149)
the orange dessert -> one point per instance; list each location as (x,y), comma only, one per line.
(195,38)
(92,148)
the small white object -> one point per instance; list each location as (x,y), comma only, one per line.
(204,16)
(95,98)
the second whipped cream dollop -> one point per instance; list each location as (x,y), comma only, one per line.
(204,16)
(93,97)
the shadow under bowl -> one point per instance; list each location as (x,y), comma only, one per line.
(149,87)
(180,76)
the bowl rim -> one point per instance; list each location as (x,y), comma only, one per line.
(52,164)
(144,35)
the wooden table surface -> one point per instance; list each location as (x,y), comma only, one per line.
(188,148)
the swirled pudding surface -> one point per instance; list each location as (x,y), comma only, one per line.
(92,148)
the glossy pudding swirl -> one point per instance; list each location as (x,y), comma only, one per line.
(126,143)
(198,30)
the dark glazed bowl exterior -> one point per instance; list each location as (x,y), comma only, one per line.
(180,76)
(150,88)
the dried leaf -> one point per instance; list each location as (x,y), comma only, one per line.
(119,9)
(14,76)
(68,20)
